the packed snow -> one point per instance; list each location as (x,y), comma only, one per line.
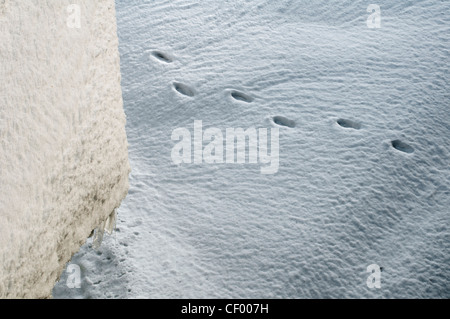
(364,136)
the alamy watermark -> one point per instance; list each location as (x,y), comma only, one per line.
(74,18)
(374,279)
(374,19)
(233,143)
(74,277)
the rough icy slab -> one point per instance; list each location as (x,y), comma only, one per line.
(63,150)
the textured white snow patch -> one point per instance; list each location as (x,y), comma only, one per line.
(2,6)
(63,149)
(364,162)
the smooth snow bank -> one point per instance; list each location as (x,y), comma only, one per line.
(63,149)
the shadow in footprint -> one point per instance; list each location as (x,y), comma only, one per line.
(241,96)
(402,147)
(162,56)
(283,121)
(349,124)
(184,89)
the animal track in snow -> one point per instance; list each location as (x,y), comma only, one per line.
(283,121)
(402,147)
(184,89)
(349,124)
(162,56)
(241,96)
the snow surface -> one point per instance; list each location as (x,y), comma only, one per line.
(63,149)
(364,152)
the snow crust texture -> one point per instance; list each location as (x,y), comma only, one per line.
(364,172)
(63,149)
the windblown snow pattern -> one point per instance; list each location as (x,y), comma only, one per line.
(364,124)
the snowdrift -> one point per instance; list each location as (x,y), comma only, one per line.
(63,149)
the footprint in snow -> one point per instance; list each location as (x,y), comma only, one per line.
(184,89)
(283,121)
(162,56)
(349,124)
(402,147)
(241,96)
